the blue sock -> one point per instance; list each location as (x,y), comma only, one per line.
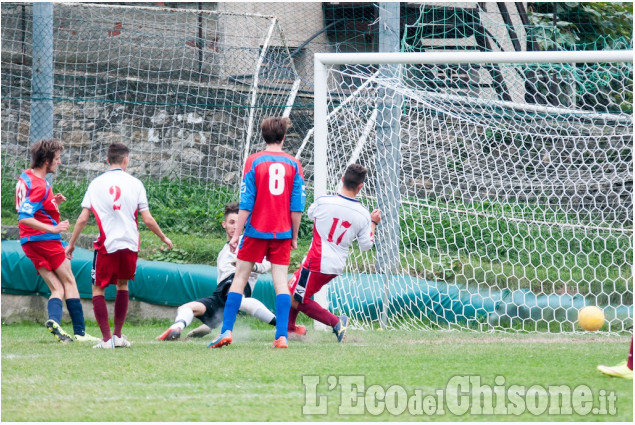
(74,306)
(54,308)
(231,310)
(283,305)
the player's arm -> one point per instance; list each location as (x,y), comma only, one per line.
(49,228)
(240,226)
(263,267)
(298,200)
(81,222)
(152,224)
(366,237)
(296,218)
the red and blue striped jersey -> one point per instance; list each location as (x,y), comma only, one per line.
(34,199)
(272,187)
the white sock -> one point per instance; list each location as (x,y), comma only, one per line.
(257,309)
(184,316)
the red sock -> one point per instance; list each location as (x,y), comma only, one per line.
(293,315)
(101,315)
(121,310)
(630,357)
(315,311)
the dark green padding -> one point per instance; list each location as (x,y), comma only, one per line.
(357,295)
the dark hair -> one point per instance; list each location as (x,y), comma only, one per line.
(354,175)
(231,208)
(117,152)
(45,150)
(274,129)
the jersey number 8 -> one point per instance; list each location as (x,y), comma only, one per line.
(276,179)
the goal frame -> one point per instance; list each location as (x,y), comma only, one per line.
(321,60)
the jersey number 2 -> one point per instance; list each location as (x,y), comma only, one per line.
(115,192)
(343,227)
(276,179)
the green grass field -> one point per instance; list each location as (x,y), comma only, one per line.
(43,380)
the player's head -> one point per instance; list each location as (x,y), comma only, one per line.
(118,155)
(230,219)
(354,177)
(46,153)
(274,129)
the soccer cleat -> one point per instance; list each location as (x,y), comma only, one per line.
(170,335)
(199,332)
(105,344)
(58,332)
(120,342)
(281,342)
(619,371)
(221,340)
(85,338)
(340,329)
(299,329)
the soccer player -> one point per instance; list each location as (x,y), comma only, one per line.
(40,228)
(209,310)
(622,370)
(338,221)
(115,198)
(272,200)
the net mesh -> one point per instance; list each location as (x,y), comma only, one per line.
(506,191)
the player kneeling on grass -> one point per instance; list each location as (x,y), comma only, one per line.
(40,228)
(338,221)
(209,310)
(115,197)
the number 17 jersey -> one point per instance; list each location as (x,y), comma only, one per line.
(272,187)
(338,221)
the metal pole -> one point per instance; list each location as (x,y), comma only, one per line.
(42,74)
(388,159)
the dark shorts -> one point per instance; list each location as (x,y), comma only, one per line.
(306,283)
(215,304)
(254,250)
(45,254)
(109,268)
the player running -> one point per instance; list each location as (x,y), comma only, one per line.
(272,200)
(115,198)
(209,310)
(40,228)
(338,221)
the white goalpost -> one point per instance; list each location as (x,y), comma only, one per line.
(505,180)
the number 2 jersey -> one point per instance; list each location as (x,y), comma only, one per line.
(116,198)
(34,199)
(338,221)
(272,187)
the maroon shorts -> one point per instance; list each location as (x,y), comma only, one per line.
(109,268)
(45,254)
(254,250)
(306,283)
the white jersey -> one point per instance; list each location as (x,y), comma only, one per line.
(116,198)
(338,221)
(226,265)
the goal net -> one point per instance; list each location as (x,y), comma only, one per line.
(505,182)
(185,89)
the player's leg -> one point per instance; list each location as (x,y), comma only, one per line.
(54,305)
(73,302)
(184,316)
(102,277)
(232,304)
(257,309)
(121,311)
(622,370)
(39,254)
(283,301)
(293,311)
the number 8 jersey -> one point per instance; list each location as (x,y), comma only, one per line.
(272,187)
(116,198)
(338,221)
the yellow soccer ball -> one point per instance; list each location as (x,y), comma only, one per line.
(591,318)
